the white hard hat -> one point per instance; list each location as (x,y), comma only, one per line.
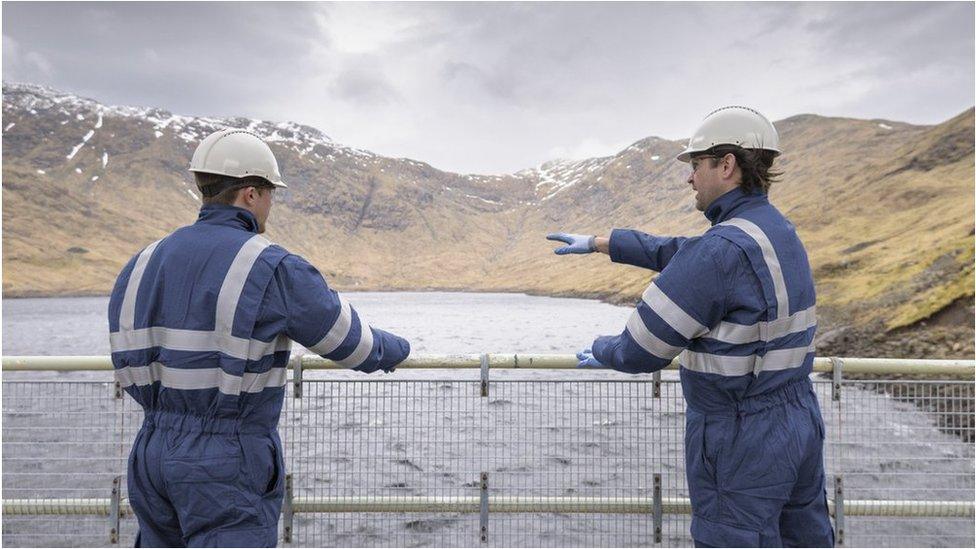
(236,153)
(740,126)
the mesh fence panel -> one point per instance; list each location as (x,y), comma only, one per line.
(908,441)
(567,441)
(413,438)
(580,439)
(61,439)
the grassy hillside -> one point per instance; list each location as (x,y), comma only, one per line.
(885,210)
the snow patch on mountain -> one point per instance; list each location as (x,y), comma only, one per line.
(556,176)
(78,147)
(301,138)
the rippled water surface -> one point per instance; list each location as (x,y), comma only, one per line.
(433,322)
(560,433)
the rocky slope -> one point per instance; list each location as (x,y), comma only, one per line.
(885,209)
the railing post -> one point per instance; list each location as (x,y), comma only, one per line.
(288,510)
(658,508)
(484,507)
(484,374)
(118,390)
(297,376)
(838,371)
(656,376)
(114,510)
(839,510)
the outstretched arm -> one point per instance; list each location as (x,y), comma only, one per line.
(682,304)
(623,246)
(322,320)
(643,250)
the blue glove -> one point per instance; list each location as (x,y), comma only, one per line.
(587,361)
(578,243)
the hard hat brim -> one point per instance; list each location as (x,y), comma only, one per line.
(685,156)
(277,184)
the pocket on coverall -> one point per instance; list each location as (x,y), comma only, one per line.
(207,489)
(700,467)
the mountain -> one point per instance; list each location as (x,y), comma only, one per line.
(885,210)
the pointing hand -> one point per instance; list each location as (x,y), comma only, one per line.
(578,243)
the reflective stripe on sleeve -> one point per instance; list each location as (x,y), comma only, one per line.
(647,340)
(338,332)
(362,350)
(674,315)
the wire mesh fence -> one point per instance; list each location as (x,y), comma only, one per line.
(908,441)
(556,459)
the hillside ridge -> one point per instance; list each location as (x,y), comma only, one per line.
(885,208)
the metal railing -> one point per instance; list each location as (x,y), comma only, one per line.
(475,451)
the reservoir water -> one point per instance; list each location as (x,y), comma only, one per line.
(433,322)
(429,433)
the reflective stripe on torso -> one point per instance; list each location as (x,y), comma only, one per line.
(234,350)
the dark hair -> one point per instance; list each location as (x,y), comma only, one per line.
(756,166)
(223,189)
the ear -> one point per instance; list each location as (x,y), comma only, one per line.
(728,165)
(250,195)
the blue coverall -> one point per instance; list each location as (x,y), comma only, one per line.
(201,324)
(738,305)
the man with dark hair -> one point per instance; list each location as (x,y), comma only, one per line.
(201,324)
(222,189)
(738,305)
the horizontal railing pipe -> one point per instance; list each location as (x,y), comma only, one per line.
(853,365)
(498,504)
(58,506)
(56,363)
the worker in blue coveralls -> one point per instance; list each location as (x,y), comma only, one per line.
(201,323)
(736,305)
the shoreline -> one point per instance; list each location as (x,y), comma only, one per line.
(602,297)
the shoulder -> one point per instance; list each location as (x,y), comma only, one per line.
(297,269)
(739,234)
(292,262)
(713,246)
(268,252)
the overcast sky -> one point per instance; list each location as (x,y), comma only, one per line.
(494,88)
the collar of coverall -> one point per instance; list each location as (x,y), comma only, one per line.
(732,203)
(230,216)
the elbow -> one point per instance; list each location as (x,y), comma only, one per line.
(642,363)
(636,367)
(386,356)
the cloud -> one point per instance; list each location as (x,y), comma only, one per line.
(497,87)
(25,65)
(357,28)
(364,86)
